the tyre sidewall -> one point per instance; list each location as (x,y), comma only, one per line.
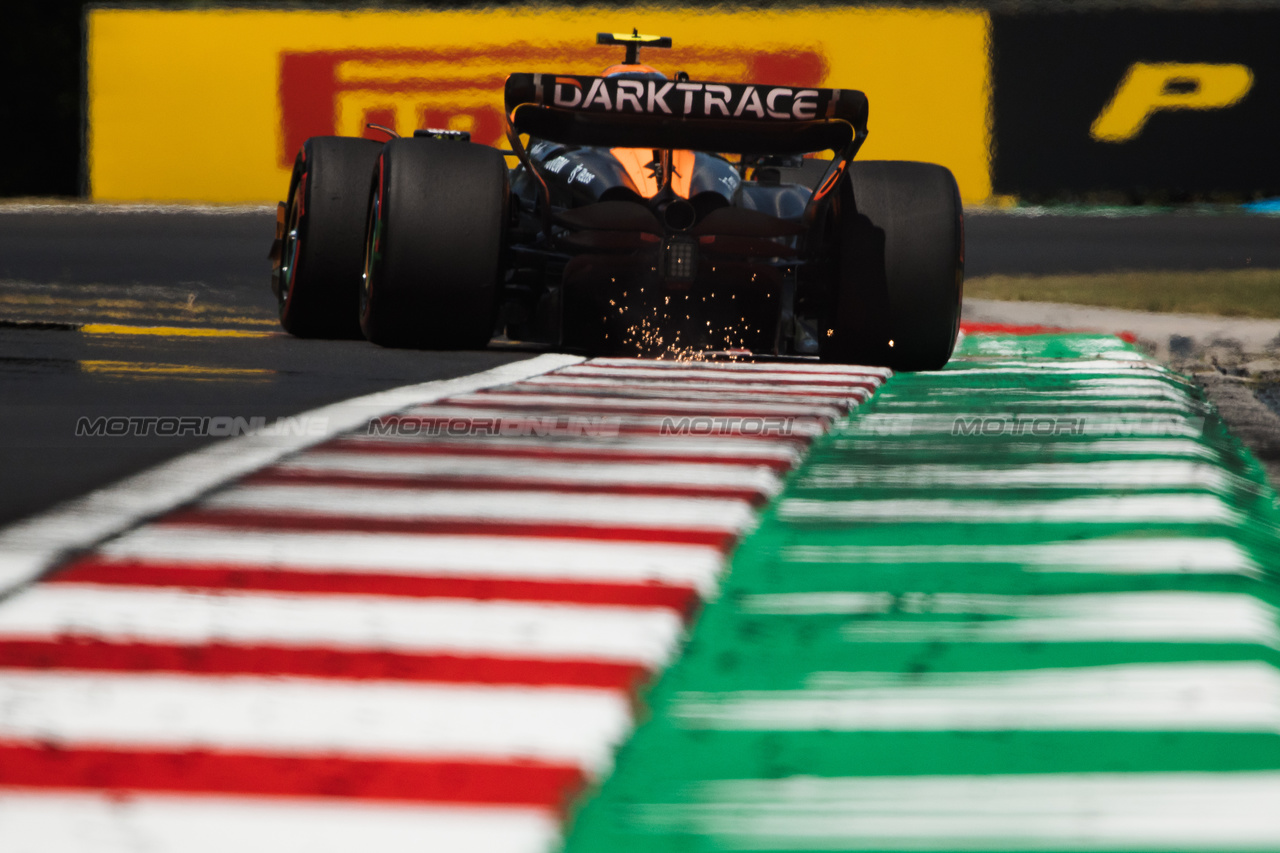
(901,266)
(442,213)
(327,199)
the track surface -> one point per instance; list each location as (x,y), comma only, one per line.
(167,270)
(205,270)
(1003,244)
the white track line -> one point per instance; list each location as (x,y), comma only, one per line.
(1137,407)
(63,822)
(1154,617)
(1049,811)
(346,622)
(648,395)
(509,557)
(1066,368)
(675,405)
(731,385)
(1110,555)
(1075,391)
(298,715)
(1063,446)
(1088,475)
(1128,509)
(673,446)
(604,421)
(1130,383)
(481,468)
(491,506)
(30,547)
(1194,697)
(1078,431)
(706,368)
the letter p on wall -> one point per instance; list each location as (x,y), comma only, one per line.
(1148,88)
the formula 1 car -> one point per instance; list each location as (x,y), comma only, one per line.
(647,215)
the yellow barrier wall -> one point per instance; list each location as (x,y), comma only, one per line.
(210,106)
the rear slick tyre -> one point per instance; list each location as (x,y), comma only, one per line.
(435,245)
(318,281)
(900,277)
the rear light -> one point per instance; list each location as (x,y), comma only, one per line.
(680,258)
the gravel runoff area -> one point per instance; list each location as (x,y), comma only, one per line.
(1236,361)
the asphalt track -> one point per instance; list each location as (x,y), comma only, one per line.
(76,283)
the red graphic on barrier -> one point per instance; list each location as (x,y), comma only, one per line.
(341,91)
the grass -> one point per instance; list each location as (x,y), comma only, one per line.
(1230,293)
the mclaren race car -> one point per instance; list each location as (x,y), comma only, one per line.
(647,214)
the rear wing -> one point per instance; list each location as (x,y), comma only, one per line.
(647,113)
